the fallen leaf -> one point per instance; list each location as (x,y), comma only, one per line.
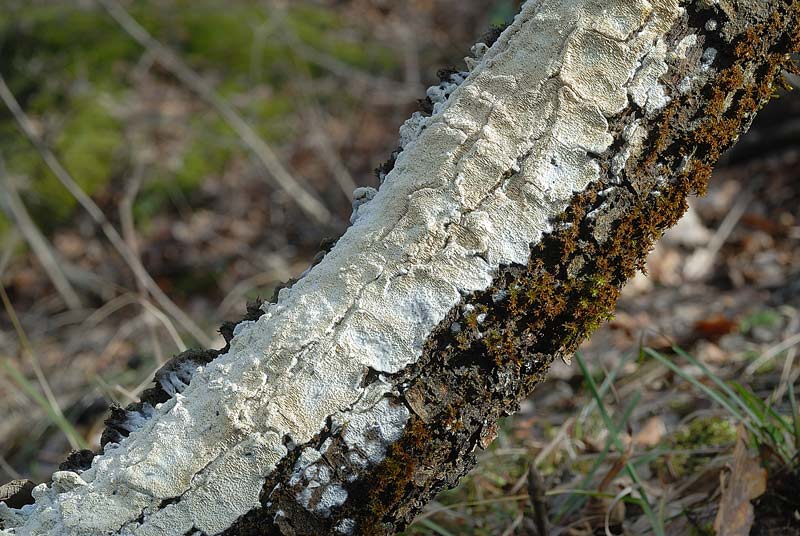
(715,327)
(747,481)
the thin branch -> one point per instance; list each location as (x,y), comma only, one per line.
(263,152)
(129,234)
(38,243)
(97,215)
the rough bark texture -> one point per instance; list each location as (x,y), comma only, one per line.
(466,381)
(691,97)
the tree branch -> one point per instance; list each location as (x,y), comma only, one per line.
(497,242)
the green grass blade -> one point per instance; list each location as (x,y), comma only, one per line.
(724,387)
(755,404)
(608,381)
(765,411)
(716,396)
(733,406)
(576,501)
(55,417)
(629,468)
(573,501)
(795,416)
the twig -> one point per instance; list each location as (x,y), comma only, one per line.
(156,313)
(97,215)
(537,493)
(243,287)
(125,330)
(126,209)
(377,85)
(318,138)
(307,202)
(108,308)
(410,47)
(38,243)
(129,234)
(373,86)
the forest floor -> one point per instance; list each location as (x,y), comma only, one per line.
(685,415)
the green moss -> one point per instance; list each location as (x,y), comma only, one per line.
(63,60)
(703,432)
(315,27)
(766,318)
(706,529)
(87,145)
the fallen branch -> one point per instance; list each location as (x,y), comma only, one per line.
(498,241)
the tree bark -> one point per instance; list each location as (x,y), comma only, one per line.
(504,227)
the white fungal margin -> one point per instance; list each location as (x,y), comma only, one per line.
(475,185)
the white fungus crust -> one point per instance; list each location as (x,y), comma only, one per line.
(474,186)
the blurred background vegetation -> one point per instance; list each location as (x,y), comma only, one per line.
(325,84)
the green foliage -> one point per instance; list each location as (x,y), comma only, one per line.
(65,61)
(87,145)
(503,12)
(767,427)
(614,436)
(767,318)
(5,224)
(703,432)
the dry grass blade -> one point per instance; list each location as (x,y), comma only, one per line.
(788,364)
(129,234)
(97,215)
(11,241)
(772,352)
(260,149)
(48,402)
(38,243)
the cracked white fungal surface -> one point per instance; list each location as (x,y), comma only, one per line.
(475,185)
